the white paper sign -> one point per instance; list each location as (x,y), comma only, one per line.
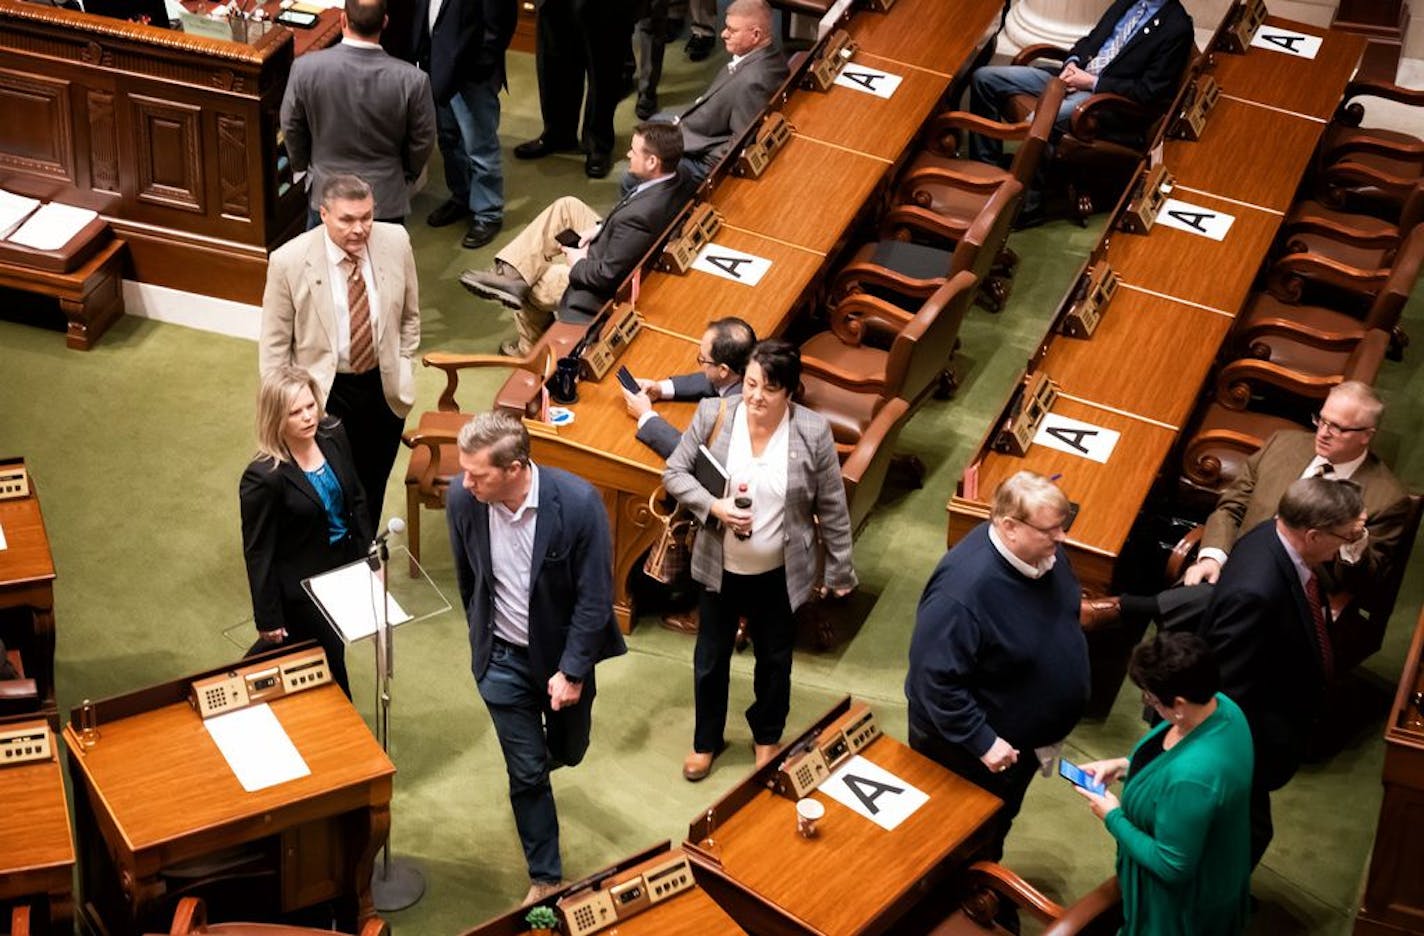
(256,747)
(882,84)
(3,544)
(729,264)
(1288,41)
(874,792)
(1194,219)
(1077,438)
(351,595)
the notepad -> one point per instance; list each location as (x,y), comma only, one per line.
(14,209)
(52,226)
(256,747)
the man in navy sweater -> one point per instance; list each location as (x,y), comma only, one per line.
(998,664)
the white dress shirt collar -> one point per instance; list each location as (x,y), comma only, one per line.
(359,43)
(1342,471)
(1301,569)
(1023,568)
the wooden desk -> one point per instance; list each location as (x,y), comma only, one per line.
(1310,87)
(863,122)
(930,34)
(853,877)
(807,198)
(1101,490)
(690,913)
(1269,152)
(1171,346)
(155,791)
(1175,263)
(37,862)
(27,581)
(685,304)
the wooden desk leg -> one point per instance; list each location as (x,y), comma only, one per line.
(91,314)
(43,624)
(143,893)
(375,831)
(633,534)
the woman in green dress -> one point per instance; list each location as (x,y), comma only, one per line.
(1183,823)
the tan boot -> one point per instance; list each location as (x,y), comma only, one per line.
(538,890)
(696,765)
(765,753)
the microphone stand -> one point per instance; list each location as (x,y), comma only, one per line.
(397,882)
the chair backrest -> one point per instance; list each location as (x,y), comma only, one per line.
(1031,150)
(979,248)
(1389,302)
(922,349)
(865,467)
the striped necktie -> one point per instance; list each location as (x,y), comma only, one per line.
(358,308)
(1322,633)
(1119,39)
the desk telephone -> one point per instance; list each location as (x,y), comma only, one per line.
(847,736)
(622,895)
(260,682)
(25,744)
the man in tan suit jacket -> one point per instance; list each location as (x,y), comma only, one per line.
(361,361)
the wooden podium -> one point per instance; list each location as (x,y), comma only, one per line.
(154,792)
(854,876)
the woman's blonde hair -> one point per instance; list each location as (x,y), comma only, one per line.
(275,399)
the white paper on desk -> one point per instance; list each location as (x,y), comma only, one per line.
(351,595)
(52,226)
(256,747)
(14,209)
(869,789)
(1194,219)
(882,84)
(1299,44)
(3,544)
(1077,438)
(729,264)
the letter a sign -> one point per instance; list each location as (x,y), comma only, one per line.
(869,789)
(729,264)
(1077,438)
(1194,219)
(882,84)
(1288,41)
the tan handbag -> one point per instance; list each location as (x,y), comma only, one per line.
(670,559)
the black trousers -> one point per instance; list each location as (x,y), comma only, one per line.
(762,600)
(374,432)
(578,40)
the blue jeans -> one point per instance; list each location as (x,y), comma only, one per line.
(990,87)
(467,130)
(534,739)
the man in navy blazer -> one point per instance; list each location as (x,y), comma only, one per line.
(723,353)
(534,561)
(1269,627)
(1138,49)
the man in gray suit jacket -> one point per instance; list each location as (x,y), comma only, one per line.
(354,109)
(738,93)
(723,353)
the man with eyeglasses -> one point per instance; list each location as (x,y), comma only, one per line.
(998,671)
(1268,624)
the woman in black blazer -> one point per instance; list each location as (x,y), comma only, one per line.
(303,513)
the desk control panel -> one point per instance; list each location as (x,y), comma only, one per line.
(626,893)
(14,482)
(834,57)
(807,767)
(1095,291)
(261,682)
(25,745)
(1148,196)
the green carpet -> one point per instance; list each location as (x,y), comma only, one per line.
(136,448)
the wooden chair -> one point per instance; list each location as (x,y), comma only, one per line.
(1380,166)
(1267,319)
(1097,912)
(866,464)
(434,457)
(191,918)
(904,272)
(18,696)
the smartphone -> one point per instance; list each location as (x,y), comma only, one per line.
(626,379)
(1078,777)
(568,237)
(297,18)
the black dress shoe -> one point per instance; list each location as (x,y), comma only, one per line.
(541,146)
(597,165)
(647,106)
(480,233)
(447,212)
(698,47)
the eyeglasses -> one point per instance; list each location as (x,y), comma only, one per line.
(1065,524)
(705,362)
(1339,536)
(1335,428)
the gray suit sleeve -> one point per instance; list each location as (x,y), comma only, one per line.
(692,387)
(420,127)
(659,435)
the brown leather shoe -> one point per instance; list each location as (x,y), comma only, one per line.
(697,765)
(681,622)
(765,753)
(538,890)
(1098,613)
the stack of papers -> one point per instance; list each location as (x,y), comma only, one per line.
(14,209)
(52,226)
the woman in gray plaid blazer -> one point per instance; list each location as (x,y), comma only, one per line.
(759,561)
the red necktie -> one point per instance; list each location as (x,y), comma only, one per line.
(1322,633)
(358,308)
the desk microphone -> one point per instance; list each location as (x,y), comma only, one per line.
(394,527)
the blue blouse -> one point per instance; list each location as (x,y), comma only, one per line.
(328,488)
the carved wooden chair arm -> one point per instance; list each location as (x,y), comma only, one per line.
(1097,904)
(1350,140)
(851,277)
(847,380)
(1351,111)
(1002,881)
(1346,174)
(861,313)
(1286,278)
(1088,115)
(952,124)
(1040,50)
(903,222)
(954,178)
(432,441)
(375,927)
(1340,339)
(190,916)
(1234,383)
(1203,468)
(451,363)
(1183,554)
(1383,237)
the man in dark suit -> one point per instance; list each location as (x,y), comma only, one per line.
(534,561)
(580,50)
(462,44)
(1138,50)
(723,353)
(536,273)
(737,94)
(1268,625)
(354,109)
(342,301)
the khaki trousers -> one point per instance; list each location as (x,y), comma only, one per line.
(537,257)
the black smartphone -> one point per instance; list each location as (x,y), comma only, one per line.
(568,237)
(1079,777)
(626,379)
(297,18)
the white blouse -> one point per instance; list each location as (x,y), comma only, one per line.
(765,478)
